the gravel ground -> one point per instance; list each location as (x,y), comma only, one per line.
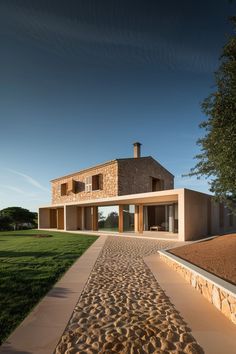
(123,309)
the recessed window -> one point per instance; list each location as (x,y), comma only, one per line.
(93,183)
(96,182)
(63,189)
(157,184)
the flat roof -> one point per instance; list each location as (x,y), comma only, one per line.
(166,195)
(170,195)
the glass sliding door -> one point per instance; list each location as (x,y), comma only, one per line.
(128,218)
(108,218)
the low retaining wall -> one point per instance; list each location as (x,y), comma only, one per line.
(219,292)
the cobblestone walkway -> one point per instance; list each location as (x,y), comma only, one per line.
(123,309)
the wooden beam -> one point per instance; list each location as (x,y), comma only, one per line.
(121,219)
(95,218)
(140,219)
(136,221)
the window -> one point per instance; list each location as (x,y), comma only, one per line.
(157,184)
(63,189)
(79,186)
(96,182)
(93,183)
(88,184)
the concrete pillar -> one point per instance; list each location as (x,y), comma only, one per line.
(121,219)
(65,224)
(181,215)
(82,218)
(71,217)
(140,219)
(44,218)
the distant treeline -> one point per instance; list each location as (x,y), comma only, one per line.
(17,218)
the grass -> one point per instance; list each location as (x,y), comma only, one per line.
(29,267)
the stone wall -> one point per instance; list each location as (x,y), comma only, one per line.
(109,184)
(220,297)
(134,175)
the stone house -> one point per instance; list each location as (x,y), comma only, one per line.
(134,195)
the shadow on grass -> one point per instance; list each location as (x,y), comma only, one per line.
(24,235)
(16,254)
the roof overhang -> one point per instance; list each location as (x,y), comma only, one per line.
(166,196)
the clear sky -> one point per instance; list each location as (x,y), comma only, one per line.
(80,81)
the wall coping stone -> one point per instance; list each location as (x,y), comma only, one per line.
(218,282)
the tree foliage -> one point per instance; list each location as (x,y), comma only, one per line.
(5,223)
(19,216)
(217,158)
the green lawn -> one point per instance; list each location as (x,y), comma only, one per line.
(29,266)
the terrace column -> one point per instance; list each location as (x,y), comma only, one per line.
(140,228)
(82,218)
(121,219)
(44,218)
(95,218)
(181,215)
(65,226)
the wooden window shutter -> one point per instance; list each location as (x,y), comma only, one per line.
(63,188)
(100,181)
(94,182)
(70,181)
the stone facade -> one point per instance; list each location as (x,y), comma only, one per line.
(135,175)
(220,297)
(119,177)
(107,189)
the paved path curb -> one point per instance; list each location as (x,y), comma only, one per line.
(213,331)
(42,329)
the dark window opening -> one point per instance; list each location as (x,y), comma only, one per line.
(157,184)
(97,182)
(63,189)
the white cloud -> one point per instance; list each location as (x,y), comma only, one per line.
(14,189)
(29,179)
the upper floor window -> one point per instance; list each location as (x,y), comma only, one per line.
(64,189)
(93,183)
(157,184)
(88,184)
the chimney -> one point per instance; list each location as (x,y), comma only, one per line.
(137,150)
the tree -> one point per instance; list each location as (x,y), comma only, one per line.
(19,216)
(5,223)
(217,159)
(112,220)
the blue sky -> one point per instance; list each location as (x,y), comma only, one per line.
(82,80)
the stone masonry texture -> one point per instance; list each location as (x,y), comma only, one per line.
(119,177)
(134,175)
(109,184)
(221,299)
